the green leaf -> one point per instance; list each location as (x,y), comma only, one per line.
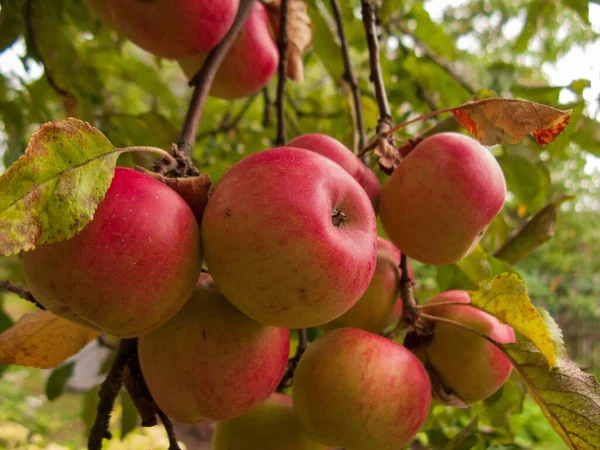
(129,414)
(55,386)
(508,400)
(568,397)
(467,437)
(52,191)
(529,182)
(506,298)
(89,408)
(11,22)
(388,8)
(325,46)
(537,230)
(588,135)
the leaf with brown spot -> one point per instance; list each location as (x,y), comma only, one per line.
(508,121)
(568,397)
(43,340)
(52,191)
(299,32)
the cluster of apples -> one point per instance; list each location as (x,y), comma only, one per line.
(290,238)
(187,30)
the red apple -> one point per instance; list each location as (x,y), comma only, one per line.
(210,361)
(338,152)
(360,391)
(130,269)
(250,63)
(439,201)
(170,28)
(467,365)
(290,238)
(270,426)
(379,306)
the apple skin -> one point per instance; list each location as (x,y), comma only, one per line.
(101,10)
(439,201)
(379,306)
(130,269)
(210,361)
(360,391)
(467,364)
(250,63)
(338,152)
(271,244)
(171,28)
(270,426)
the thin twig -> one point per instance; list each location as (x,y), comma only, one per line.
(266,123)
(21,292)
(204,78)
(409,303)
(231,125)
(359,123)
(173,444)
(108,393)
(288,376)
(282,45)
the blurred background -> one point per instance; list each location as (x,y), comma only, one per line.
(58,60)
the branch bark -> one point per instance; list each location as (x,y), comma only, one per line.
(359,123)
(21,292)
(282,45)
(203,79)
(288,376)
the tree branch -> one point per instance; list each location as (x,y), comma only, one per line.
(108,393)
(267,111)
(359,123)
(282,45)
(288,376)
(173,444)
(203,79)
(21,292)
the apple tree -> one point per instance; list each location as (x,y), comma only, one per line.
(311,223)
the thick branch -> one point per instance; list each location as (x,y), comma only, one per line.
(203,79)
(21,292)
(288,376)
(108,393)
(385,113)
(282,45)
(359,123)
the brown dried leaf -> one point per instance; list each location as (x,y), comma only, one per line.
(507,121)
(299,34)
(41,339)
(387,155)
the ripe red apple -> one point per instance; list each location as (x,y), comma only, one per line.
(210,361)
(439,201)
(130,269)
(360,391)
(169,28)
(338,152)
(467,364)
(270,426)
(379,306)
(250,63)
(290,238)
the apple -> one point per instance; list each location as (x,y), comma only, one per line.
(338,152)
(290,238)
(466,364)
(169,28)
(270,426)
(130,269)
(210,361)
(379,306)
(360,391)
(250,63)
(439,201)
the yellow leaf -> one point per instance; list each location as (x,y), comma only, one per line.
(506,298)
(41,339)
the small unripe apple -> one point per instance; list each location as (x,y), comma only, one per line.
(270,426)
(210,361)
(360,391)
(379,306)
(439,201)
(250,63)
(169,28)
(130,269)
(467,365)
(338,152)
(290,238)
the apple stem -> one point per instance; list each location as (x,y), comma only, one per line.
(293,362)
(439,305)
(460,325)
(358,116)
(9,286)
(158,151)
(282,45)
